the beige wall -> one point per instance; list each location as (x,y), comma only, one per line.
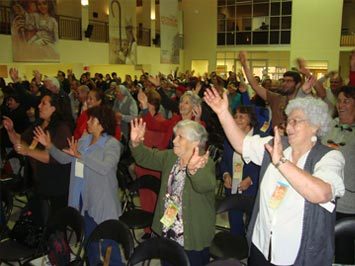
(316,27)
(200,31)
(77,54)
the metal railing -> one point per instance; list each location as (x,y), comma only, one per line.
(143,36)
(5,21)
(69,28)
(99,31)
(347,40)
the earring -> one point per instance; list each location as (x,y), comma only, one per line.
(314,138)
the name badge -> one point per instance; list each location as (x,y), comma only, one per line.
(79,169)
(170,214)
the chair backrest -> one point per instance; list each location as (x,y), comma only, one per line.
(148,182)
(6,206)
(14,155)
(225,262)
(114,230)
(345,227)
(236,202)
(159,248)
(68,217)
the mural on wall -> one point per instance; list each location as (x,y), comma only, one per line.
(123,43)
(34,30)
(169,34)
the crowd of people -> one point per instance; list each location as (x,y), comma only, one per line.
(290,145)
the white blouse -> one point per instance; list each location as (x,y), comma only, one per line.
(282,225)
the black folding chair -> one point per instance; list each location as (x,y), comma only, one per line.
(159,248)
(113,230)
(137,218)
(224,245)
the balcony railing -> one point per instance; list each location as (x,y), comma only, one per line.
(69,28)
(99,31)
(5,25)
(347,40)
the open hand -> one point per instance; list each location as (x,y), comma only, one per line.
(42,137)
(218,104)
(137,131)
(276,151)
(73,148)
(197,161)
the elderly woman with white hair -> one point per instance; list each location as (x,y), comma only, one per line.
(125,107)
(189,109)
(185,211)
(294,213)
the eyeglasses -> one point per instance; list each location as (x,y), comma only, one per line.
(295,122)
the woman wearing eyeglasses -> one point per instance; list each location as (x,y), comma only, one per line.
(342,137)
(294,213)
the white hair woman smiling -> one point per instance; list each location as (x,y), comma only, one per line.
(299,181)
(315,110)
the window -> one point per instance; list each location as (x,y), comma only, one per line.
(243,22)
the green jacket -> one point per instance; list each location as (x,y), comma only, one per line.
(198,202)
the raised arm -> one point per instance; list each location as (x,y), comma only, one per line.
(220,107)
(260,90)
(9,126)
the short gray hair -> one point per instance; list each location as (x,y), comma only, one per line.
(193,131)
(194,98)
(316,110)
(54,81)
(84,88)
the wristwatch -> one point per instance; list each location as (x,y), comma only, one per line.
(281,161)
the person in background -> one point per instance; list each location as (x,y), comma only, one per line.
(342,137)
(300,181)
(125,108)
(238,176)
(152,139)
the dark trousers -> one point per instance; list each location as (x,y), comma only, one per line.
(257,258)
(344,247)
(93,251)
(196,258)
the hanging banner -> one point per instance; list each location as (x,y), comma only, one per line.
(123,43)
(169,35)
(34,31)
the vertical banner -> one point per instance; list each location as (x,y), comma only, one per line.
(34,31)
(123,42)
(169,36)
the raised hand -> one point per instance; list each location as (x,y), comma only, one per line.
(218,104)
(8,124)
(42,137)
(308,84)
(155,81)
(302,67)
(197,161)
(197,112)
(73,148)
(14,74)
(37,75)
(243,57)
(137,131)
(143,99)
(276,151)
